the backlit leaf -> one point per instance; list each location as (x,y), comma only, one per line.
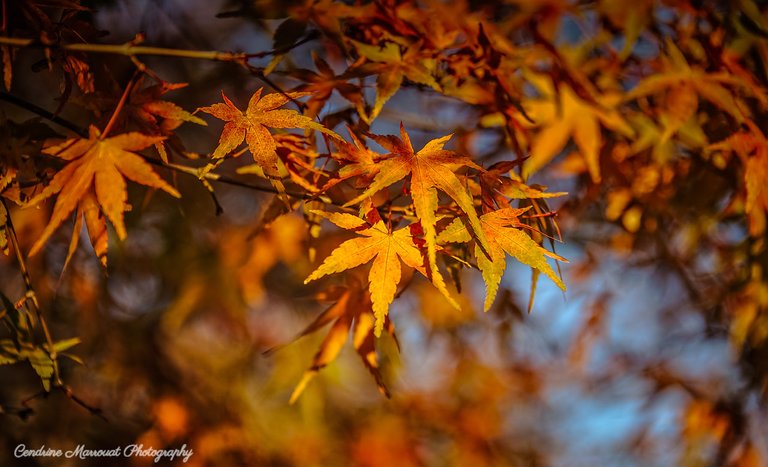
(505,235)
(386,248)
(97,168)
(431,169)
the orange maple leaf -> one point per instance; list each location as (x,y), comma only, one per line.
(505,235)
(431,168)
(355,160)
(382,246)
(252,126)
(679,77)
(97,167)
(351,312)
(752,149)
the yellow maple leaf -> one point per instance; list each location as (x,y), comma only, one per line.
(97,167)
(377,243)
(505,235)
(252,126)
(431,169)
(571,117)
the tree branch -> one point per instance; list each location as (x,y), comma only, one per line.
(130,49)
(133,49)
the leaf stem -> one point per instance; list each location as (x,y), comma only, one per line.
(120,105)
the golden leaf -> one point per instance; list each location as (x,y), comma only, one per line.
(379,244)
(574,117)
(391,65)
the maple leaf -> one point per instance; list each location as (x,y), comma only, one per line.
(391,66)
(355,160)
(631,17)
(505,235)
(572,117)
(161,116)
(384,247)
(496,187)
(98,166)
(430,169)
(252,126)
(146,112)
(351,311)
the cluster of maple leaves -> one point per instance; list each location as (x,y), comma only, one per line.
(91,182)
(430,209)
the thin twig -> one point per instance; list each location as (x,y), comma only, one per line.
(120,105)
(130,49)
(10,98)
(30,299)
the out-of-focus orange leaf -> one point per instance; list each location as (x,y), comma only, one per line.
(353,312)
(678,76)
(752,149)
(568,115)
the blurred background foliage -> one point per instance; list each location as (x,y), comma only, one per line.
(656,355)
